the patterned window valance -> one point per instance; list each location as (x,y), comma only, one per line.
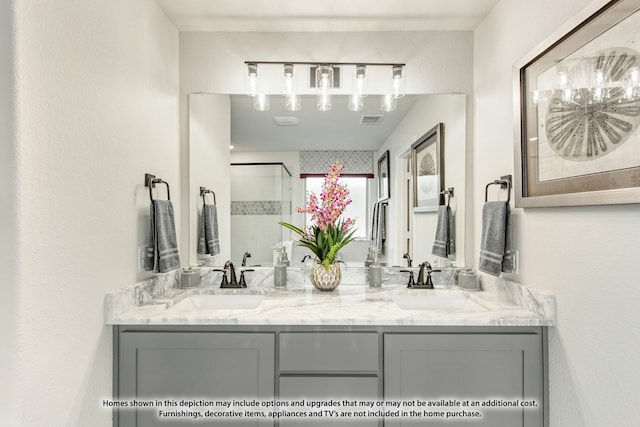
(356,163)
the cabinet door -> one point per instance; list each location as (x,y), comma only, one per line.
(336,388)
(188,365)
(466,367)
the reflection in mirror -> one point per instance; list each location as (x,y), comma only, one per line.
(260,198)
(278,136)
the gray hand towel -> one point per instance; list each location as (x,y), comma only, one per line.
(162,248)
(495,244)
(444,242)
(209,242)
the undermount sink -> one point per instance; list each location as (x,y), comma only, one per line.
(226,302)
(430,300)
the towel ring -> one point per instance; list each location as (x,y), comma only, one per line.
(151,181)
(203,192)
(448,192)
(504,181)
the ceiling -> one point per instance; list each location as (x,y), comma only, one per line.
(326,15)
(253,130)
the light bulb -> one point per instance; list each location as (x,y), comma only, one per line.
(324,81)
(292,102)
(388,102)
(398,81)
(359,80)
(356,102)
(252,83)
(261,102)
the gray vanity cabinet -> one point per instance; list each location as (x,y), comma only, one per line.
(190,365)
(466,367)
(357,363)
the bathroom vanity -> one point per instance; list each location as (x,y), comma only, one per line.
(355,344)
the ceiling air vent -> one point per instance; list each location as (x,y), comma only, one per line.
(371,119)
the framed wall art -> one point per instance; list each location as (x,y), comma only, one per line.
(577,112)
(427,165)
(384,177)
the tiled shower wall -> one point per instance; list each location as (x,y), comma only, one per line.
(260,198)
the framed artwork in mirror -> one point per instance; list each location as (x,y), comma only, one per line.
(427,168)
(384,177)
(577,112)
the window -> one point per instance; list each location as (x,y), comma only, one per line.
(357,209)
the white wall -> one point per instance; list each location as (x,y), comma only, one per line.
(586,256)
(425,114)
(97,107)
(209,138)
(8,219)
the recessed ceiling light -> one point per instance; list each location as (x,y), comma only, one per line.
(285,121)
(231,147)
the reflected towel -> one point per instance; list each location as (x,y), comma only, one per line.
(445,240)
(378,231)
(495,245)
(209,241)
(162,248)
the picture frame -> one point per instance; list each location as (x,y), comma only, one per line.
(577,112)
(427,169)
(384,177)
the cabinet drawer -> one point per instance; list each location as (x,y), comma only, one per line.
(329,352)
(330,388)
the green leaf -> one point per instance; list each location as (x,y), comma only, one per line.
(293,228)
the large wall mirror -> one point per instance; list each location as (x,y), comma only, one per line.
(276,137)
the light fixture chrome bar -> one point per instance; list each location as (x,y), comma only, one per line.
(383,64)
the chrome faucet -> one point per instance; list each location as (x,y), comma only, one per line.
(244,258)
(408,258)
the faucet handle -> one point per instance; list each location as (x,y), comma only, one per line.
(225,280)
(411,281)
(243,282)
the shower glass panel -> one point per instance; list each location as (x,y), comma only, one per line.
(260,198)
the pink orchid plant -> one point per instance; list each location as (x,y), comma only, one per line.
(330,232)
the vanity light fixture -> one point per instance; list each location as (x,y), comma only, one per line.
(398,81)
(292,100)
(252,78)
(356,99)
(325,81)
(260,100)
(587,85)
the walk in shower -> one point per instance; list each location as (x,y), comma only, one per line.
(260,198)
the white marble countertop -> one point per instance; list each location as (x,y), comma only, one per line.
(159,302)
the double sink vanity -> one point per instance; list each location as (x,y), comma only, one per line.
(355,343)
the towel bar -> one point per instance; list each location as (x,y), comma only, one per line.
(504,182)
(448,192)
(151,181)
(203,192)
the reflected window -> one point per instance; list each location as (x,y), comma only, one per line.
(357,209)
